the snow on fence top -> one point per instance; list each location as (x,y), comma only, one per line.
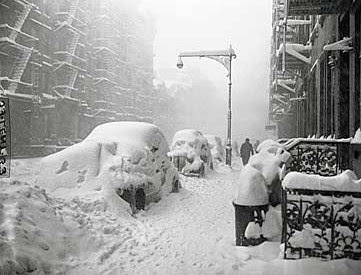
(294,141)
(346,182)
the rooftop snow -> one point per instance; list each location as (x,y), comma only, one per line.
(128,130)
(188,134)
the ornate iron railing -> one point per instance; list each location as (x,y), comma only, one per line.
(324,224)
(325,157)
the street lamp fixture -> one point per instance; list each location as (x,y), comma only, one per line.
(225,58)
(179,63)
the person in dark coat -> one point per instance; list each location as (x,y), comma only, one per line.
(246,151)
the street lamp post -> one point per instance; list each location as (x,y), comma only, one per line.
(225,58)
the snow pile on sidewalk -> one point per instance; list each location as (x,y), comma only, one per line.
(34,237)
(47,235)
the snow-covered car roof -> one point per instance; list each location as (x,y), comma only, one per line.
(189,135)
(128,132)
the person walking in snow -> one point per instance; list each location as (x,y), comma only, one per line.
(246,151)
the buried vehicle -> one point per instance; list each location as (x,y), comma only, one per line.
(125,160)
(190,153)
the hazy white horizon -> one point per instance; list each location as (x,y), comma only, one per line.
(185,25)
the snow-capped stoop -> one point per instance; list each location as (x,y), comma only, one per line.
(346,182)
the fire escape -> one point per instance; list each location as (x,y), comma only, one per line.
(68,64)
(11,47)
(290,56)
(110,66)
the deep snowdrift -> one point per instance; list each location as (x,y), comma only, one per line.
(35,236)
(191,232)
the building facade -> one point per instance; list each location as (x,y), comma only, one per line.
(69,65)
(315,68)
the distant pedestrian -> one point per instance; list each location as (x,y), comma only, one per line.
(246,151)
(255,145)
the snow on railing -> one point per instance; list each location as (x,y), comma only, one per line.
(321,216)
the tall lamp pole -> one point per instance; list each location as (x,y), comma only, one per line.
(225,58)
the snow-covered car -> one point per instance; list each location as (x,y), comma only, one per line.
(216,146)
(124,158)
(190,153)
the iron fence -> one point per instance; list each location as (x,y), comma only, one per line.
(323,157)
(324,224)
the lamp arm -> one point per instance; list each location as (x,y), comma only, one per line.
(224,60)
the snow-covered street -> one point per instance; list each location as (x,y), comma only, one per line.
(193,227)
(190,232)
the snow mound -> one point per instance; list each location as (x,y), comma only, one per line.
(253,230)
(251,189)
(34,237)
(269,145)
(346,181)
(272,225)
(46,235)
(115,156)
(269,163)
